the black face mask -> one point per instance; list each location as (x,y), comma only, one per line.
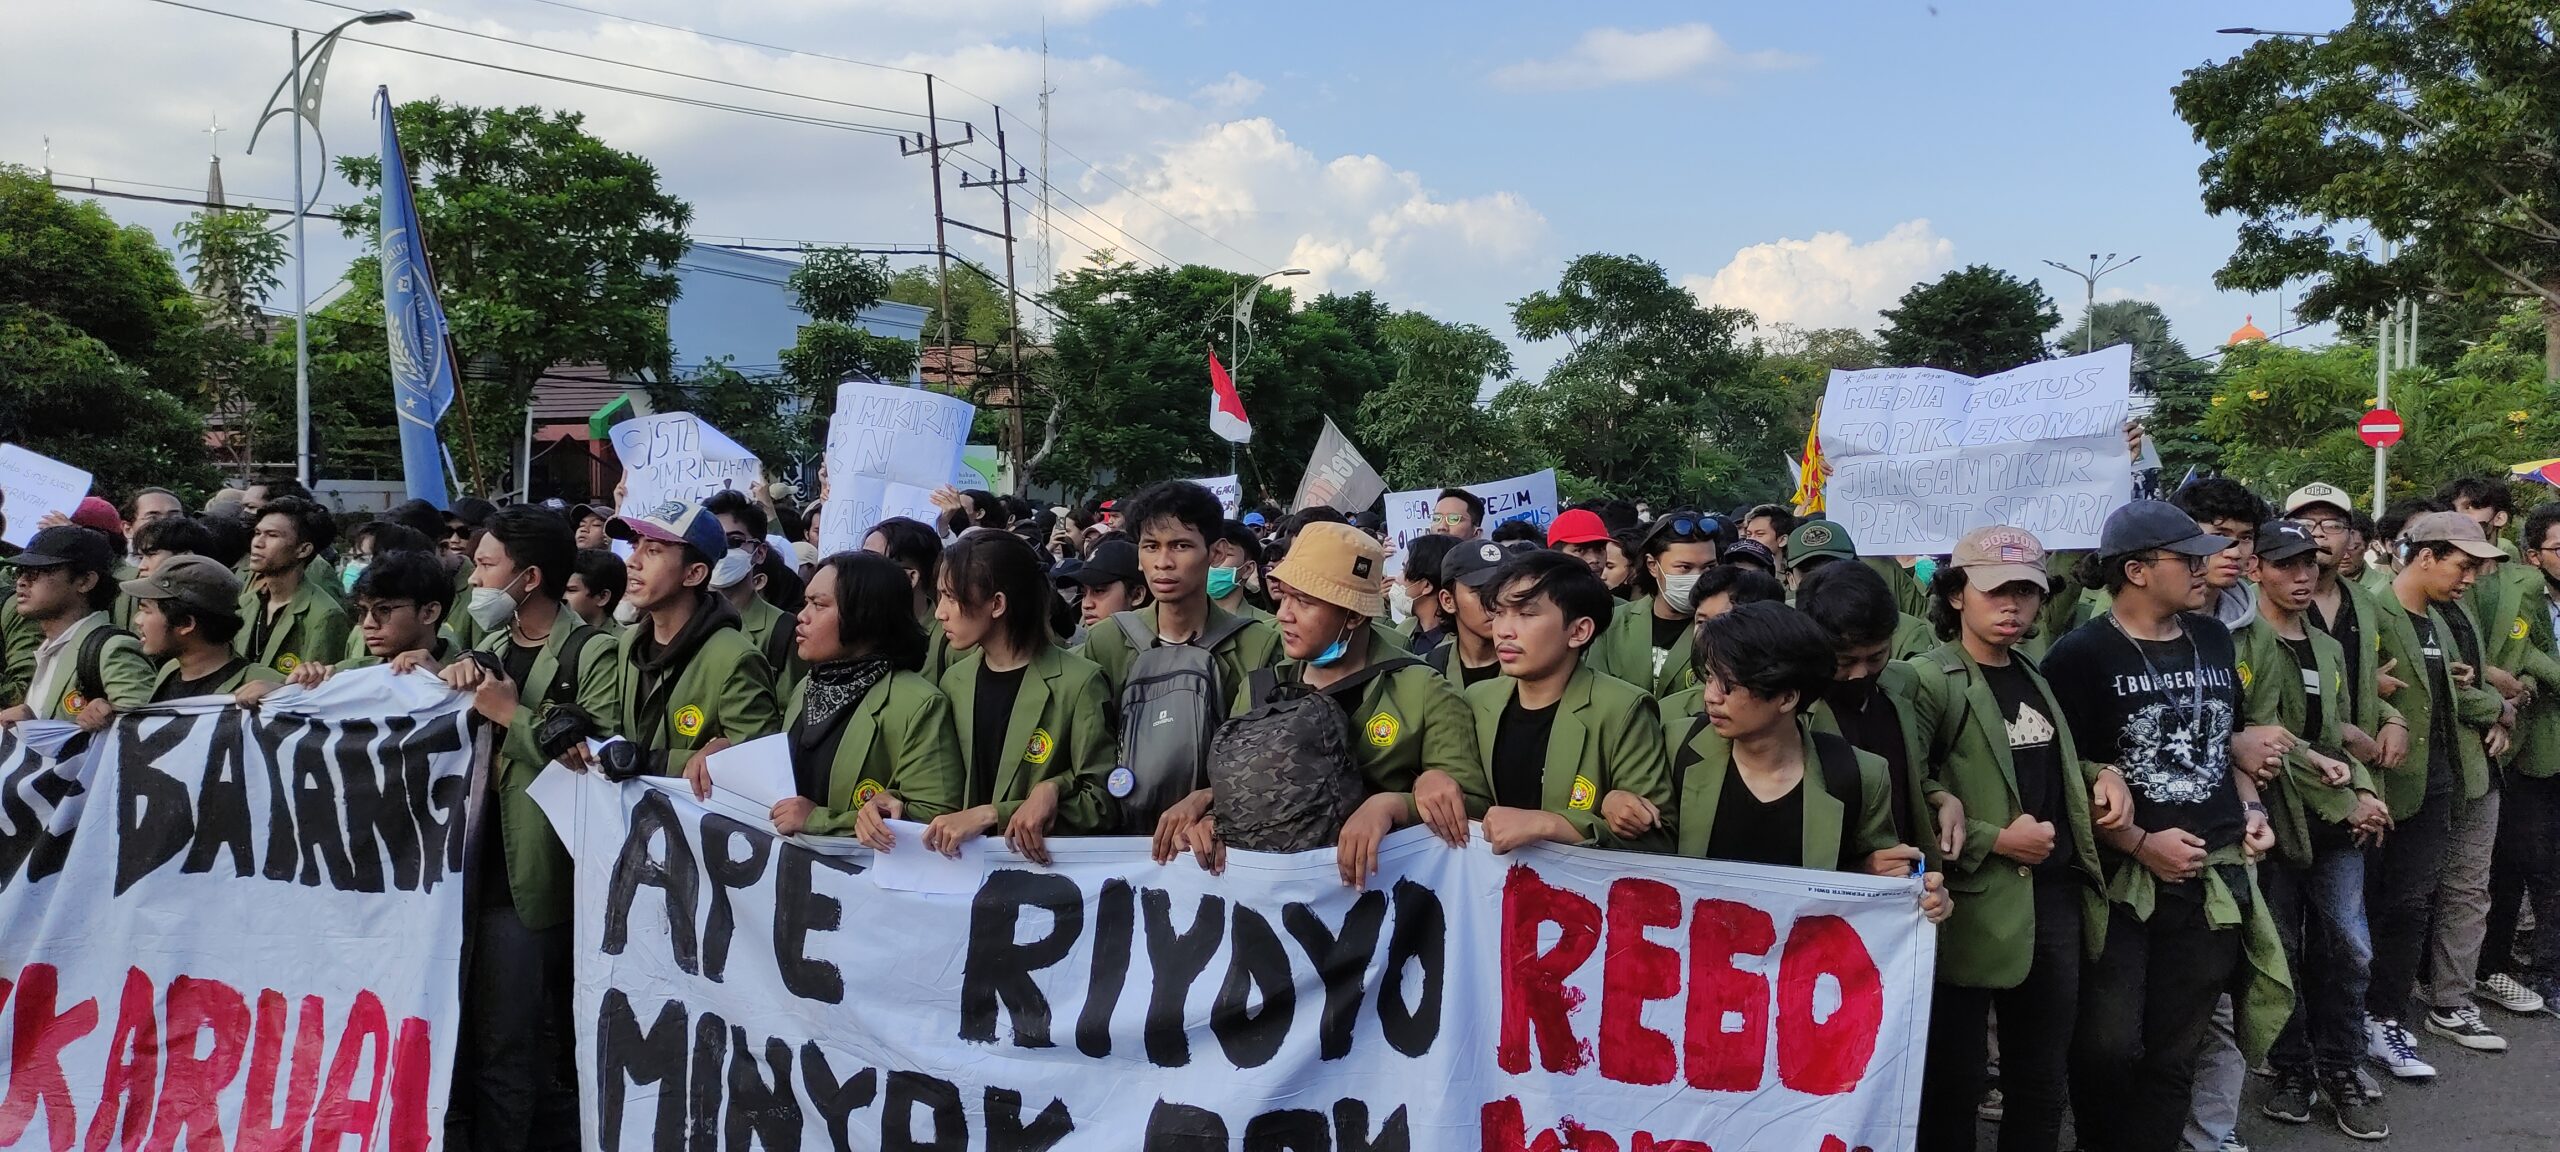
(1852,693)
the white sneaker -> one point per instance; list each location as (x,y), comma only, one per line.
(2462,1026)
(2391,1046)
(2510,993)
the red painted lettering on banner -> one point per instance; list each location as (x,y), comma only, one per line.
(1827,1057)
(133,1068)
(1638,970)
(1725,1036)
(267,1061)
(1535,996)
(39,1035)
(191,1088)
(366,1040)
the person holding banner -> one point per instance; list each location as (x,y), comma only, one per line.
(1574,756)
(292,616)
(1175,521)
(186,612)
(86,669)
(400,601)
(691,681)
(2028,859)
(1033,719)
(1649,640)
(871,739)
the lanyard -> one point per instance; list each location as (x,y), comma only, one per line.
(2195,695)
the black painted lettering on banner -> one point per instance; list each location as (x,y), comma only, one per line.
(315,814)
(835,1100)
(1351,1129)
(626,1054)
(1007,1133)
(153,818)
(284,850)
(702,1089)
(999,967)
(655,854)
(1342,962)
(27,842)
(760,1110)
(222,797)
(1420,939)
(1175,1127)
(375,807)
(1257,970)
(727,873)
(937,1099)
(798,910)
(1174,960)
(1115,921)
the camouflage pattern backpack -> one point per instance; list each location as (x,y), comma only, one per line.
(1281,774)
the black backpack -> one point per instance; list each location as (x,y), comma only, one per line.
(87,676)
(1170,707)
(1839,777)
(1281,776)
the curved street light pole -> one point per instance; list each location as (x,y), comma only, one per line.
(306,107)
(1240,325)
(2089,278)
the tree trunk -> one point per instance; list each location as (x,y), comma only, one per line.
(2550,339)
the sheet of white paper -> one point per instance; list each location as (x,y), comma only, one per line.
(2148,460)
(34,485)
(916,868)
(555,792)
(756,774)
(678,456)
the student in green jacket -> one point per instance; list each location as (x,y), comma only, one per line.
(1723,588)
(65,586)
(2372,729)
(1753,782)
(1817,544)
(1467,657)
(1235,571)
(1173,522)
(2528,852)
(1033,720)
(400,604)
(1426,625)
(691,682)
(1410,732)
(595,589)
(1868,702)
(2027,867)
(292,619)
(1648,641)
(871,739)
(185,613)
(2506,591)
(743,575)
(913,546)
(1573,756)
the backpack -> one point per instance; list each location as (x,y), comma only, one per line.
(564,672)
(1281,775)
(1170,706)
(1839,778)
(88,678)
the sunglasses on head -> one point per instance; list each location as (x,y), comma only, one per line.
(1687,526)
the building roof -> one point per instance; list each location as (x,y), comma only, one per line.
(2247,332)
(569,393)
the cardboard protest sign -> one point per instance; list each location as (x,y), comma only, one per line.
(888,448)
(32,485)
(730,980)
(1919,457)
(258,923)
(679,456)
(1228,490)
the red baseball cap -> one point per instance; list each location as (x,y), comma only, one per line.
(1577,526)
(94,512)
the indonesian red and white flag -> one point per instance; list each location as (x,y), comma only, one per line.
(1226,408)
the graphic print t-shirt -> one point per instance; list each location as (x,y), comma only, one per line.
(2163,712)
(2035,755)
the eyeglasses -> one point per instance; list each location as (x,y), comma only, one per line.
(2194,563)
(373,610)
(2328,524)
(1448,517)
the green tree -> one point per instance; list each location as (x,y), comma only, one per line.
(833,286)
(2178,384)
(2427,123)
(978,313)
(1976,320)
(2284,417)
(97,336)
(1429,425)
(1656,399)
(550,247)
(233,259)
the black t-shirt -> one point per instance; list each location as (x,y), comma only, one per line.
(1520,755)
(180,688)
(2163,712)
(2444,729)
(1474,676)
(992,712)
(2035,754)
(1666,641)
(518,661)
(2314,709)
(1755,832)
(1869,722)
(2348,631)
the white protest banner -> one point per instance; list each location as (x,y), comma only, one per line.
(1338,475)
(1920,457)
(1229,492)
(1531,498)
(730,981)
(888,448)
(32,485)
(679,456)
(252,939)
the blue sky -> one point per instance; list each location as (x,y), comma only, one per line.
(1807,160)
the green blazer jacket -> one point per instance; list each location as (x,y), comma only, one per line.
(725,690)
(1059,729)
(2537,752)
(2272,692)
(1827,822)
(127,675)
(1989,940)
(898,740)
(2475,708)
(1898,683)
(538,867)
(1625,650)
(1257,645)
(1607,737)
(2366,707)
(760,620)
(312,629)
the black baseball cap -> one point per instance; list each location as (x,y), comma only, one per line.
(82,549)
(1112,561)
(2144,525)
(1472,562)
(2281,540)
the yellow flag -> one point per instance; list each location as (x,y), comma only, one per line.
(1812,472)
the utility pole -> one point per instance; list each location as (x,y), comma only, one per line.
(2089,279)
(1003,185)
(2383,347)
(930,143)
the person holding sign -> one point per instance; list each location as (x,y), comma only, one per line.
(1457,514)
(292,617)
(86,668)
(186,612)
(2029,853)
(871,739)
(1033,719)
(1573,756)
(1649,641)
(692,683)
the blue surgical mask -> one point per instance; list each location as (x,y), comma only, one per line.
(348,576)
(1924,570)
(1222,582)
(1333,653)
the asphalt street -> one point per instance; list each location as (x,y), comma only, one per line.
(2501,1101)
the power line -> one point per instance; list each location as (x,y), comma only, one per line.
(729,39)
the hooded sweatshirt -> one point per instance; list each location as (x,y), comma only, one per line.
(659,665)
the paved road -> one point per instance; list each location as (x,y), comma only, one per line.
(2501,1101)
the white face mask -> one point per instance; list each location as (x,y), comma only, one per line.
(1400,600)
(1676,591)
(492,608)
(626,612)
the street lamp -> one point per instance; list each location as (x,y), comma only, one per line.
(1240,326)
(2274,33)
(2089,316)
(306,106)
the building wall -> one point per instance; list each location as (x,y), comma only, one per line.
(739,305)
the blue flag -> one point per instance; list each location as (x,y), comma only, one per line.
(421,368)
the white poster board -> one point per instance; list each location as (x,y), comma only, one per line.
(1531,498)
(32,485)
(1919,457)
(1228,490)
(679,456)
(888,448)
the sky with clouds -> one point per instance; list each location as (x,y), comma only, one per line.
(1809,161)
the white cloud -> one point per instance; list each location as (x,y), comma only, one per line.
(1828,280)
(1609,56)
(1236,91)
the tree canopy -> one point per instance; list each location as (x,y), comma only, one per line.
(1975,320)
